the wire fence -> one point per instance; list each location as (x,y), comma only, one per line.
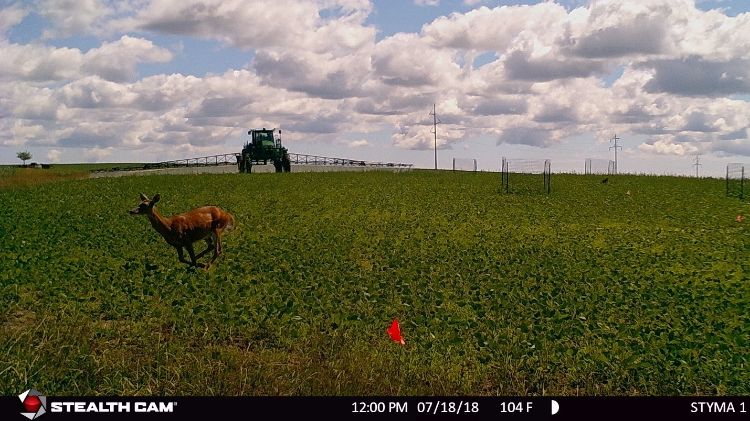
(464,164)
(736,180)
(599,166)
(525,175)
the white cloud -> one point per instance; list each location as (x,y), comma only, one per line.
(97,154)
(27,102)
(37,62)
(358,143)
(259,24)
(115,61)
(733,147)
(696,76)
(532,136)
(10,17)
(20,132)
(408,61)
(421,137)
(54,155)
(478,29)
(319,75)
(667,146)
(520,66)
(427,2)
(319,72)
(95,93)
(70,17)
(118,60)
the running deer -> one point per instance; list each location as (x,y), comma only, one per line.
(181,231)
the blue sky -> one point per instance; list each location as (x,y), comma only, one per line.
(153,80)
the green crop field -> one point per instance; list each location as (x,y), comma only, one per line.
(589,290)
(12,176)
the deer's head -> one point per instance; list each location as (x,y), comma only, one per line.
(146,206)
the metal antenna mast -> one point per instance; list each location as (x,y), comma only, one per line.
(435,122)
(615,139)
(697,163)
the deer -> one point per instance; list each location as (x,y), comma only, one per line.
(181,231)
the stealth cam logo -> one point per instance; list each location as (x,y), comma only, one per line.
(34,403)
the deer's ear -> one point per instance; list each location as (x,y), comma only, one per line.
(156,198)
(144,197)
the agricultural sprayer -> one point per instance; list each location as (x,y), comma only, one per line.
(262,148)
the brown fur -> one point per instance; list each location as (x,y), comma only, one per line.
(182,230)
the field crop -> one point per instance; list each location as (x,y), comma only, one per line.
(638,287)
(12,176)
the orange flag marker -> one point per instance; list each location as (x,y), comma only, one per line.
(395,332)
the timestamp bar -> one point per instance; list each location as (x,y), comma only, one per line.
(395,408)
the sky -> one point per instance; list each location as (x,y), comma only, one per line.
(154,80)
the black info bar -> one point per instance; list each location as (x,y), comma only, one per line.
(376,407)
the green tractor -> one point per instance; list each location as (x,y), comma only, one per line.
(264,147)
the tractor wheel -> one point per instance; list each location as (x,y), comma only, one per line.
(278,165)
(286,164)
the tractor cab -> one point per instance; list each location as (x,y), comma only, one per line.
(262,148)
(263,138)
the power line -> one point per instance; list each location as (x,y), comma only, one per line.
(697,163)
(435,122)
(615,139)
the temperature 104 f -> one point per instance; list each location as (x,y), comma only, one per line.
(516,406)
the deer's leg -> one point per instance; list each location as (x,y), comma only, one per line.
(181,255)
(191,252)
(209,247)
(217,245)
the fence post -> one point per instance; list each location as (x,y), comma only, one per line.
(727,180)
(504,174)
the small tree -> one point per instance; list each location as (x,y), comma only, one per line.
(24,156)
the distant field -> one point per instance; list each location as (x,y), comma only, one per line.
(589,290)
(14,176)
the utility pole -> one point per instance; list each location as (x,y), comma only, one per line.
(435,122)
(615,139)
(697,163)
